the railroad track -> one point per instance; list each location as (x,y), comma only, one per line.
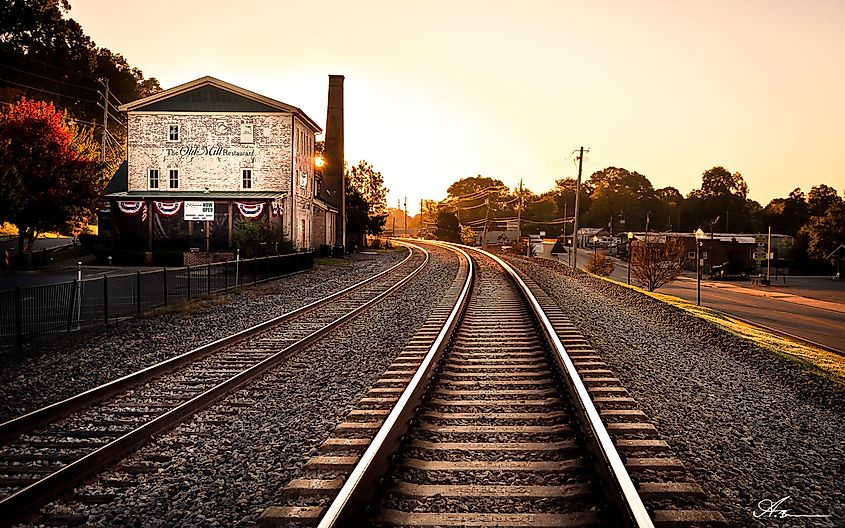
(496,424)
(46,452)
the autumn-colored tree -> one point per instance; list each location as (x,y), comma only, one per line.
(47,175)
(467,235)
(600,264)
(657,261)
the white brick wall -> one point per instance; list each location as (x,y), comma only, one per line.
(201,152)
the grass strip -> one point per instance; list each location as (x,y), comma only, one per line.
(822,362)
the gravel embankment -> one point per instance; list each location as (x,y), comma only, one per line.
(67,365)
(225,469)
(749,425)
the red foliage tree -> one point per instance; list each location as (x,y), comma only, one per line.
(47,177)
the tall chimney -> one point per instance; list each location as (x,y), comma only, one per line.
(333,175)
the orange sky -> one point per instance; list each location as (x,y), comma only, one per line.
(440,90)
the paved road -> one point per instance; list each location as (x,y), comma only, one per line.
(40,244)
(811,308)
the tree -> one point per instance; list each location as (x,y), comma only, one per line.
(657,261)
(467,235)
(46,169)
(724,196)
(599,264)
(820,199)
(621,200)
(366,200)
(447,227)
(824,233)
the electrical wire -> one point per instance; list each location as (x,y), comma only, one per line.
(48,91)
(51,79)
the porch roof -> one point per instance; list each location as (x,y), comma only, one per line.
(198,195)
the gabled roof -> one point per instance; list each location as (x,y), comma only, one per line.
(262,102)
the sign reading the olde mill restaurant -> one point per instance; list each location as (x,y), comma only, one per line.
(205,150)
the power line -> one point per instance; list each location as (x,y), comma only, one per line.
(51,79)
(47,91)
(27,57)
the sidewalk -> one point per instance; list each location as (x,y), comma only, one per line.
(815,292)
(833,306)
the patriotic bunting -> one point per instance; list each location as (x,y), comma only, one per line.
(133,208)
(168,208)
(276,209)
(250,210)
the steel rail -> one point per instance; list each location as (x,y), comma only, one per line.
(356,493)
(26,499)
(622,486)
(23,423)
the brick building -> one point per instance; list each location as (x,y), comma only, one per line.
(208,141)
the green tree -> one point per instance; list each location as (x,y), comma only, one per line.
(46,54)
(820,199)
(621,200)
(724,196)
(447,227)
(47,172)
(564,191)
(825,232)
(366,201)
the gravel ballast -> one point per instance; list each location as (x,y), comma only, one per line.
(749,425)
(227,464)
(68,364)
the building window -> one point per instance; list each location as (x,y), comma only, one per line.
(153,178)
(246,133)
(173,133)
(174,178)
(247,178)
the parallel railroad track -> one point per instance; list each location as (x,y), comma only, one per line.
(46,452)
(497,424)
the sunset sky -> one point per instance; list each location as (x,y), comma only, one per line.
(440,90)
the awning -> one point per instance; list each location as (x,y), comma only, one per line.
(198,195)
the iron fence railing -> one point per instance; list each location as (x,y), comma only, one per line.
(104,300)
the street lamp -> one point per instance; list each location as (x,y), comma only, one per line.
(698,235)
(630,247)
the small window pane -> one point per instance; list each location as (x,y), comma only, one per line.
(174,133)
(174,178)
(153,178)
(247,178)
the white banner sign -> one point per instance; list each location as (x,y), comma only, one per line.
(200,211)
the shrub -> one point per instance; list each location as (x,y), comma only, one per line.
(599,264)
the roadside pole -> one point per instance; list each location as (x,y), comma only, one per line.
(577,205)
(769,258)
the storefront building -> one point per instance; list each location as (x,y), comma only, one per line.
(205,155)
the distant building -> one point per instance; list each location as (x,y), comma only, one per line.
(244,155)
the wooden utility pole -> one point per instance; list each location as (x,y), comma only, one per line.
(577,205)
(486,221)
(105,120)
(519,213)
(405,228)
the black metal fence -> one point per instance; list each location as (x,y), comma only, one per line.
(102,301)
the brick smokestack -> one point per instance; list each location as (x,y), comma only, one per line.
(334,178)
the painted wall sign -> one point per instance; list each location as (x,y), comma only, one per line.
(205,150)
(200,211)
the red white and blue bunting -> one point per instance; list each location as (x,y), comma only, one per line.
(168,208)
(276,209)
(250,210)
(133,208)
